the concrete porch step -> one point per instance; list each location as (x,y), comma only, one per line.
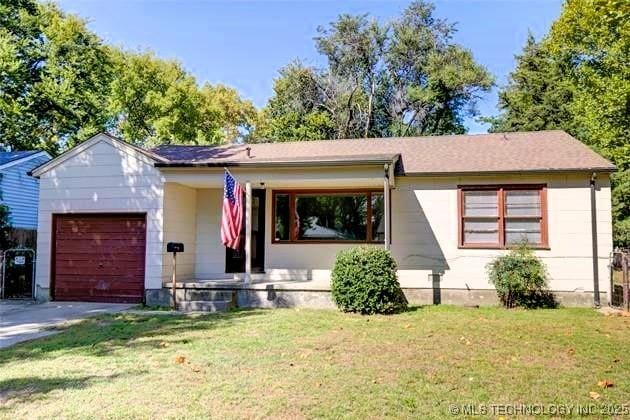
(204,294)
(204,305)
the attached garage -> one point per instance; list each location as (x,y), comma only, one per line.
(98,257)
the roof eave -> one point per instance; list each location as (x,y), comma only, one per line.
(25,159)
(278,164)
(605,169)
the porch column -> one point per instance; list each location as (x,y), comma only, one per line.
(248,232)
(386,196)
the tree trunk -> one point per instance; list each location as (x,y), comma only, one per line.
(344,134)
(368,120)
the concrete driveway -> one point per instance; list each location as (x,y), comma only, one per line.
(26,320)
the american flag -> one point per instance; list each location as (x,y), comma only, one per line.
(232,219)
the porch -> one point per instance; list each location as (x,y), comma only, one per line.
(271,258)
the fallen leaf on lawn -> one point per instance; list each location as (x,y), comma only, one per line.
(318,384)
(407,326)
(468,343)
(605,383)
(180,360)
(594,395)
(571,351)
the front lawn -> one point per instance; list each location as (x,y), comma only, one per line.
(306,363)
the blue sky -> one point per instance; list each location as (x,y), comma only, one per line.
(244,43)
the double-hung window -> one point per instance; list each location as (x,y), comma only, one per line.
(503,216)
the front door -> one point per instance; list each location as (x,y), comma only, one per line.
(235,259)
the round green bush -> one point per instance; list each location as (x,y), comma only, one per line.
(364,280)
(521,280)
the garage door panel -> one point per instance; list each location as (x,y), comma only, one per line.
(72,259)
(99,257)
(98,224)
(99,298)
(133,245)
(68,291)
(101,287)
(132,272)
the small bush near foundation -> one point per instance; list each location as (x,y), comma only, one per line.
(521,280)
(364,280)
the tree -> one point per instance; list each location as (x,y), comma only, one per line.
(234,116)
(577,78)
(297,108)
(431,83)
(60,84)
(406,77)
(155,101)
(537,96)
(54,77)
(354,48)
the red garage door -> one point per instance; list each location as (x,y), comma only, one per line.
(99,258)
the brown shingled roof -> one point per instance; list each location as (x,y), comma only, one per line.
(480,153)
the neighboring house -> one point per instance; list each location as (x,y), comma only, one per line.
(445,206)
(20,192)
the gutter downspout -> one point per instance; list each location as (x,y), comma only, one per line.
(593,182)
(386,204)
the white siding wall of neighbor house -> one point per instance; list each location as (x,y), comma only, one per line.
(180,225)
(106,177)
(20,192)
(425,235)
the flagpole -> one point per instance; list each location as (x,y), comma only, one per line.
(248,233)
(248,227)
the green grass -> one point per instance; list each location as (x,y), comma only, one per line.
(307,363)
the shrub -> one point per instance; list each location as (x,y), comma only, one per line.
(364,280)
(521,279)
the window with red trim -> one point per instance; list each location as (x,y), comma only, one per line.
(328,216)
(502,216)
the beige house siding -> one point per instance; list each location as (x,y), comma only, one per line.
(210,253)
(104,177)
(185,206)
(180,225)
(425,237)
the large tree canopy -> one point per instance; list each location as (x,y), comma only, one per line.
(406,77)
(577,78)
(54,77)
(154,101)
(59,84)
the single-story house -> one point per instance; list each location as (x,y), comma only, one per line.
(19,191)
(445,206)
